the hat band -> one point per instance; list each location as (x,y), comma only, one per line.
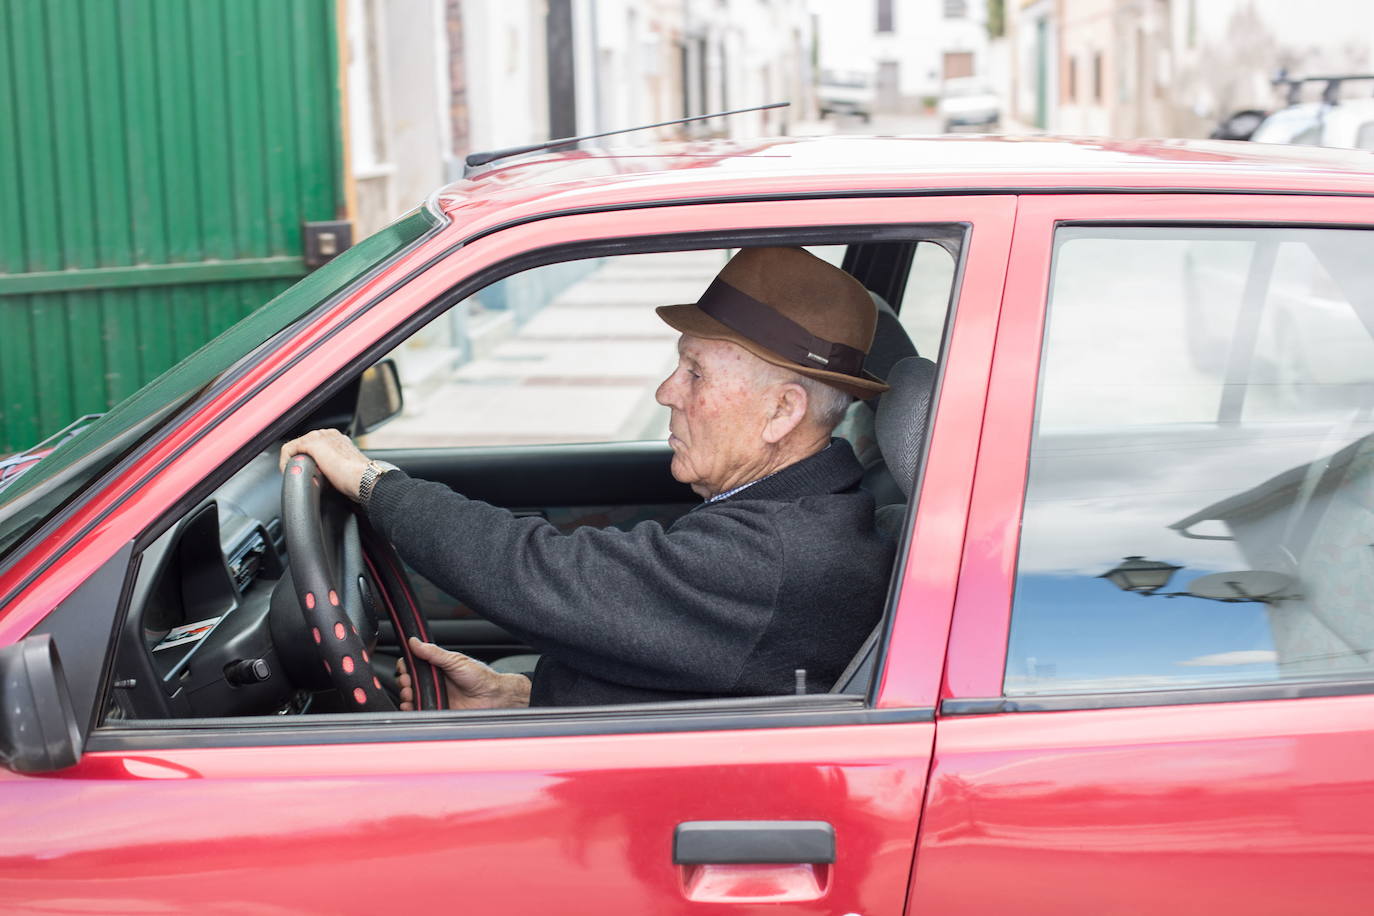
(765,326)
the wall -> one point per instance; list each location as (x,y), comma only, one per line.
(504,54)
(920,37)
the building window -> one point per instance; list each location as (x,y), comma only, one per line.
(884,15)
(1097,77)
(956,9)
(1071,83)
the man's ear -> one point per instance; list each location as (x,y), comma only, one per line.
(789,409)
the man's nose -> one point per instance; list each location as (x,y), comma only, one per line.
(664,394)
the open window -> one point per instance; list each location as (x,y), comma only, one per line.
(533,392)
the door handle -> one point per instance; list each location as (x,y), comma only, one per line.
(754,861)
(754,843)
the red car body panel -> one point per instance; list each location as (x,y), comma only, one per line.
(1255,806)
(566,825)
(1216,808)
(793,167)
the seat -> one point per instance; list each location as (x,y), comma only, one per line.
(902,419)
(891,344)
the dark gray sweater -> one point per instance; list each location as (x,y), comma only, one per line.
(728,601)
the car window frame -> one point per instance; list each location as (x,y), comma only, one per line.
(860,255)
(864,709)
(979,638)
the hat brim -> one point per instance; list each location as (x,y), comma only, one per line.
(688,319)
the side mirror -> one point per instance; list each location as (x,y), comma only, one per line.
(38,728)
(379,397)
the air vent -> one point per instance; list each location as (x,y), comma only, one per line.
(246,560)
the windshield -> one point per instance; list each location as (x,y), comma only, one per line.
(47,485)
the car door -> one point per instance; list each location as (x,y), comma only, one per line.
(811,802)
(1157,694)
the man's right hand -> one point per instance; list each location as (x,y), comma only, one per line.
(471,684)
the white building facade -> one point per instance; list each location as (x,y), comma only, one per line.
(910,46)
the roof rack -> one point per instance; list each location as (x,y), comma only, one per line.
(1331,93)
(476,160)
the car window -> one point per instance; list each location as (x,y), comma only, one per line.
(573,352)
(925,301)
(1200,503)
(561,353)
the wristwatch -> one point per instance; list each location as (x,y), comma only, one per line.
(374,470)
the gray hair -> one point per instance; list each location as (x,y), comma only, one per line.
(825,404)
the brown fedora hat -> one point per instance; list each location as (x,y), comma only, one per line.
(792,309)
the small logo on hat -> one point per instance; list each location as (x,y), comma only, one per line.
(820,359)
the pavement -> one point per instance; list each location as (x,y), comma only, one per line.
(583,369)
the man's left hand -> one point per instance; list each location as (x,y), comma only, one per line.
(337,457)
(471,684)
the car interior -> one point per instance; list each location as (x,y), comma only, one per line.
(214,625)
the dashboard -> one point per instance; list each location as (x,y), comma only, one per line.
(208,595)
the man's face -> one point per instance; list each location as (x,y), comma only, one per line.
(718,415)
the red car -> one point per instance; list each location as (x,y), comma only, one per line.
(1127,660)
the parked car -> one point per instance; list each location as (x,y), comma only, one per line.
(969,102)
(1348,124)
(1037,726)
(846,92)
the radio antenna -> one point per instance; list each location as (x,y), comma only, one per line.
(476,160)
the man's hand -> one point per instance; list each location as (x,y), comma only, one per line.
(471,684)
(337,457)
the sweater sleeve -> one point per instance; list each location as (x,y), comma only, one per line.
(678,609)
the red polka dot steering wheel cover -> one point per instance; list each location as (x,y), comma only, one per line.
(340,648)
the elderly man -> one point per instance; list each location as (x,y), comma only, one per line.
(779,569)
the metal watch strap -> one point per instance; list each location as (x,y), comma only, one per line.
(371,473)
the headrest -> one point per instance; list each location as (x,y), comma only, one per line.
(890,340)
(903,415)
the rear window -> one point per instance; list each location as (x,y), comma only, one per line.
(1200,505)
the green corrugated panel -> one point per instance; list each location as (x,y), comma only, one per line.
(11,231)
(143,134)
(32,86)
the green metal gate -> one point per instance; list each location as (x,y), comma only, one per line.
(157,161)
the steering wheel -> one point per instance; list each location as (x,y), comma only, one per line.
(339,645)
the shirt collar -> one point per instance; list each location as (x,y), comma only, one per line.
(728,493)
(744,486)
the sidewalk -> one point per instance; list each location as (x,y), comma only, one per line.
(584,369)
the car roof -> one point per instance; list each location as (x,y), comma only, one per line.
(800,166)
